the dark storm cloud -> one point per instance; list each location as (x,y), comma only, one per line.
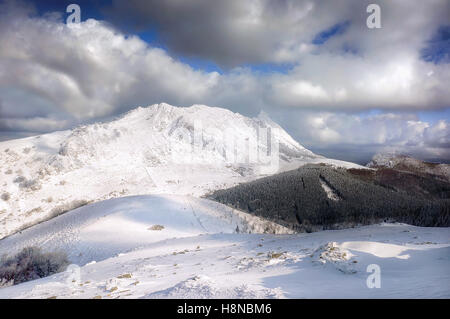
(234,32)
(228,32)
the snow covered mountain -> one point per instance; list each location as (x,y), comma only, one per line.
(156,149)
(410,164)
(180,246)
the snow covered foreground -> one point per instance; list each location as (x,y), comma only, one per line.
(184,247)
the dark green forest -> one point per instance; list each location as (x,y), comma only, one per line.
(297,199)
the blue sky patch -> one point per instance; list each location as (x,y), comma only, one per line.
(438,48)
(325,35)
(282,68)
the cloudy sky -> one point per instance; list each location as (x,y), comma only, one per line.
(341,89)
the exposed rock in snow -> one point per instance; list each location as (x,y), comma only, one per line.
(331,253)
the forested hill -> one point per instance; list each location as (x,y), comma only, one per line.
(316,197)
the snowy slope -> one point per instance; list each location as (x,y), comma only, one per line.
(414,263)
(150,150)
(107,228)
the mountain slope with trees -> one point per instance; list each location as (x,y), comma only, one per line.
(316,197)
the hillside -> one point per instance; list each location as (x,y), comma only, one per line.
(409,164)
(107,228)
(421,185)
(316,197)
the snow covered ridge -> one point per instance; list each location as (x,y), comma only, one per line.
(194,135)
(149,150)
(407,163)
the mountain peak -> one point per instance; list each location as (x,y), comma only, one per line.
(263,116)
(162,133)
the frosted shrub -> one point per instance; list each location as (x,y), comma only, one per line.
(19,179)
(30,184)
(29,264)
